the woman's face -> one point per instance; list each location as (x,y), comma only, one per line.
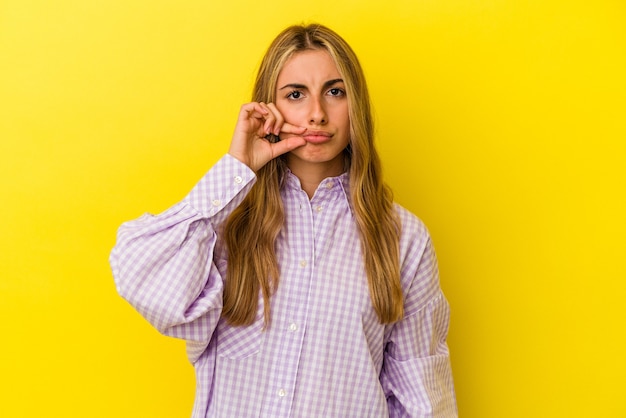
(311,93)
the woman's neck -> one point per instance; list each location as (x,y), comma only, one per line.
(311,174)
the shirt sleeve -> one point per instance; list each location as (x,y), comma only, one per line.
(416,374)
(165,265)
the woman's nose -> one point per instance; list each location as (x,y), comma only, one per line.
(318,114)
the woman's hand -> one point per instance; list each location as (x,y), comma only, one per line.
(257,121)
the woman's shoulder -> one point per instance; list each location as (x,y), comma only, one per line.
(412,227)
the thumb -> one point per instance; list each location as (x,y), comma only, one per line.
(287,144)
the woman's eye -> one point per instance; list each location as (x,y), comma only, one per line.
(294,95)
(336,92)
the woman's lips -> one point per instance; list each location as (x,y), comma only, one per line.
(317,137)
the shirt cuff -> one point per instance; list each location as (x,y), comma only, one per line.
(225,184)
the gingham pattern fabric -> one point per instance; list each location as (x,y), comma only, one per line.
(324,354)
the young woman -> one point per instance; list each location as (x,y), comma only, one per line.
(301,289)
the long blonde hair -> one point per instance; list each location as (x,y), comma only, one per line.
(258,220)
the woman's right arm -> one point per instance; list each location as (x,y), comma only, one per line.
(164,265)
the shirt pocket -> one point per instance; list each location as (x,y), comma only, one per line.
(237,343)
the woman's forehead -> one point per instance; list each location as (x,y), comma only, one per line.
(309,66)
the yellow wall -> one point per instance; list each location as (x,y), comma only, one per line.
(502,124)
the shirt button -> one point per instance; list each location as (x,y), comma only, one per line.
(302,263)
(238,180)
(329,185)
(216,202)
(293,327)
(282,392)
(319,208)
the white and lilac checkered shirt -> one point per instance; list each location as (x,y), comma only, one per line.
(325,354)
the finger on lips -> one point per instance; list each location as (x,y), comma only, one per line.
(273,122)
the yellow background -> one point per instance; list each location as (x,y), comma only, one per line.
(501,123)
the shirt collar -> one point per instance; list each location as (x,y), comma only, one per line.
(340,183)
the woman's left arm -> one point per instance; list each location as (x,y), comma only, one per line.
(416,374)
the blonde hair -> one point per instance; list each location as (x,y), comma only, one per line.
(258,219)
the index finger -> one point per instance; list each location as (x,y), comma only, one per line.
(288,128)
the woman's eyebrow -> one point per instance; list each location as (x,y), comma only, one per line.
(303,87)
(293,86)
(332,82)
